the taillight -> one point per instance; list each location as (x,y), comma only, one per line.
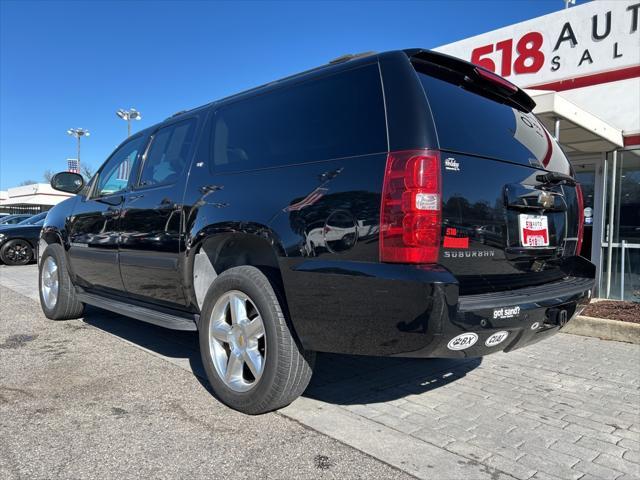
(410,213)
(580,199)
(497,79)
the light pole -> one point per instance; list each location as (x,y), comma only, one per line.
(128,115)
(78,133)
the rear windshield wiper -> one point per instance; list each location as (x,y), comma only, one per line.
(555,178)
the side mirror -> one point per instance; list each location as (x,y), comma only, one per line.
(68,182)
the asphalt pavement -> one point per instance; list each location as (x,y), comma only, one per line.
(78,403)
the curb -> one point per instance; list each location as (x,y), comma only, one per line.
(604,329)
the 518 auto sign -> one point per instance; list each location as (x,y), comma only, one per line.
(593,37)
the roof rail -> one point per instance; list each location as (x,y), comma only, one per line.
(176,114)
(350,56)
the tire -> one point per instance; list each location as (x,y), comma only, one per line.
(284,370)
(16,252)
(58,297)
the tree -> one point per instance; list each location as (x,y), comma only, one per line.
(86,171)
(27,182)
(48,175)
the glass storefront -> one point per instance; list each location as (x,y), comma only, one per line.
(620,273)
(586,176)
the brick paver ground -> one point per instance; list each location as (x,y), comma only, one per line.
(567,407)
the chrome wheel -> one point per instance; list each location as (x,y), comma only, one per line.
(237,341)
(49,283)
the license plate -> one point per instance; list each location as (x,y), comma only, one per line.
(534,230)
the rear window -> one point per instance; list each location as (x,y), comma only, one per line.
(168,153)
(469,122)
(340,115)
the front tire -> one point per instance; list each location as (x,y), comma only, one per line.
(58,297)
(252,360)
(16,252)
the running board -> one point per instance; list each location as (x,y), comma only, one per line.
(162,319)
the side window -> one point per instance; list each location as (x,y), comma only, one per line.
(114,176)
(168,153)
(339,115)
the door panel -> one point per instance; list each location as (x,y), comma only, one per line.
(94,226)
(150,243)
(93,236)
(151,221)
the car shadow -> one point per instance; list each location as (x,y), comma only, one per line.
(338,379)
(177,347)
(353,379)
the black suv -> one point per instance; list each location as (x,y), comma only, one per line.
(402,204)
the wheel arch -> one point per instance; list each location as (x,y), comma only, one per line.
(217,248)
(51,235)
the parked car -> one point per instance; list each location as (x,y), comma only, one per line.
(13,219)
(18,242)
(332,211)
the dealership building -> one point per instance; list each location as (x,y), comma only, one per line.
(33,198)
(581,65)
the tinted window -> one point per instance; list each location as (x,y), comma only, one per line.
(114,175)
(34,220)
(336,116)
(168,153)
(469,122)
(13,219)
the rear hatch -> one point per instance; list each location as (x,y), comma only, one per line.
(510,207)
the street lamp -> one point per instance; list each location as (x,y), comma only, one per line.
(78,133)
(128,115)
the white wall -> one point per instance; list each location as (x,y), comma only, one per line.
(35,194)
(615,102)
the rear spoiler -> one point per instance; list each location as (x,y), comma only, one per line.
(478,75)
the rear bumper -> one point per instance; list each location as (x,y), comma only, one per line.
(505,321)
(415,311)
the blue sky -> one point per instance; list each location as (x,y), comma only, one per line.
(73,64)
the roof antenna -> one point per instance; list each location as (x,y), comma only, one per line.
(567,3)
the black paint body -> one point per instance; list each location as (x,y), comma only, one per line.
(29,233)
(312,223)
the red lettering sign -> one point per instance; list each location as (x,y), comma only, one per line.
(529,58)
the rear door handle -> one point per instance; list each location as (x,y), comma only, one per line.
(168,203)
(110,212)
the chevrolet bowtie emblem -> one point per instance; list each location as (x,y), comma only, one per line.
(546,199)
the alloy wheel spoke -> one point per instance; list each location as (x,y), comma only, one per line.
(255,328)
(51,296)
(238,309)
(234,367)
(220,331)
(50,283)
(253,360)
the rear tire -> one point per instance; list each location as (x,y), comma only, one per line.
(252,359)
(58,297)
(16,252)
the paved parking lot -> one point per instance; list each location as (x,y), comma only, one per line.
(100,392)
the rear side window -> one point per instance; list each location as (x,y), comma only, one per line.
(337,116)
(167,156)
(469,122)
